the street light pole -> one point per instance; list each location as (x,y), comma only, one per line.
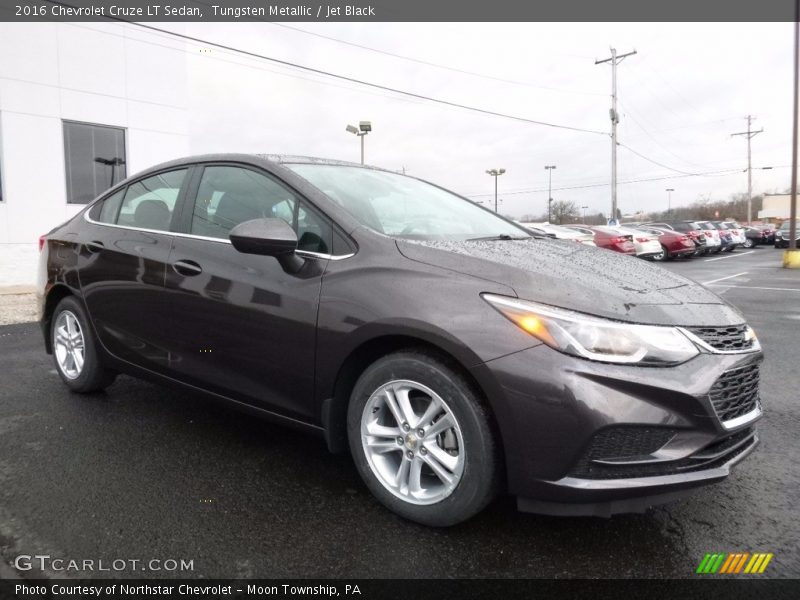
(549,169)
(495,173)
(669,200)
(584,213)
(364,127)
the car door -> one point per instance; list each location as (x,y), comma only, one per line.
(244,327)
(122,266)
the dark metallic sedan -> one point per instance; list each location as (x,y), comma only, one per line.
(453,354)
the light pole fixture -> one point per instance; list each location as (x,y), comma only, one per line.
(495,173)
(669,200)
(110,162)
(364,127)
(549,169)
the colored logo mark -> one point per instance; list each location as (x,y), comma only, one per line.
(735,562)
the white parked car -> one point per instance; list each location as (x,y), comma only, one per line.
(646,244)
(713,242)
(563,233)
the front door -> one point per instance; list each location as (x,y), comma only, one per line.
(243,327)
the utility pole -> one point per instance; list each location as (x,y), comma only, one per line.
(549,169)
(791,259)
(669,200)
(614,60)
(750,135)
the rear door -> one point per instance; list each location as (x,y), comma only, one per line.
(244,327)
(122,267)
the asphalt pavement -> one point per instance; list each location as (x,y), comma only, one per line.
(144,472)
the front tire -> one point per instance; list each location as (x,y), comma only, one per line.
(421,439)
(75,349)
(748,243)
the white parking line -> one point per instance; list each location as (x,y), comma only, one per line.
(729,256)
(754,287)
(724,278)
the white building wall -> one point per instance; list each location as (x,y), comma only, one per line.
(97,73)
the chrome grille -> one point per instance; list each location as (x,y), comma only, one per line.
(727,339)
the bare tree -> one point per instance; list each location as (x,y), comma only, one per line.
(564,211)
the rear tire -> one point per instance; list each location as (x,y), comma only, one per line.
(748,243)
(440,465)
(75,349)
(663,255)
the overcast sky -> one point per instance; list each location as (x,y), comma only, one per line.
(688,88)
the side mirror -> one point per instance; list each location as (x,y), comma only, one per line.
(268,237)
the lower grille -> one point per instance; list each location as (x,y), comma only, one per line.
(713,455)
(735,393)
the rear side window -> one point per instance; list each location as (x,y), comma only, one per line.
(231,195)
(106,210)
(149,203)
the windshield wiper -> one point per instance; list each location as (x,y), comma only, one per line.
(502,236)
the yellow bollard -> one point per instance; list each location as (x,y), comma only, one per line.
(791,259)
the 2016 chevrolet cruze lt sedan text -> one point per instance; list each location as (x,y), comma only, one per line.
(454,355)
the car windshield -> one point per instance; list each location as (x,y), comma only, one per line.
(405,207)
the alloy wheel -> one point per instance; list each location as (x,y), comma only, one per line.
(68,345)
(412,442)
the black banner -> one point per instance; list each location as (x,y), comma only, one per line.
(730,588)
(394,10)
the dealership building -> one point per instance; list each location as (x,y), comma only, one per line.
(81,106)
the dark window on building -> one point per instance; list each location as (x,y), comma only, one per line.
(94,158)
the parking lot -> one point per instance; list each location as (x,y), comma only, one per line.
(145,472)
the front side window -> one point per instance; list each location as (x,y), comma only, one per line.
(94,159)
(231,195)
(150,202)
(404,207)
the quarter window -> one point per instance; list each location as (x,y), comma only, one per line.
(109,208)
(228,196)
(94,158)
(149,203)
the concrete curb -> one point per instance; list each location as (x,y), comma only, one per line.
(17,289)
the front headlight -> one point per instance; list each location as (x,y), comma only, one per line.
(596,338)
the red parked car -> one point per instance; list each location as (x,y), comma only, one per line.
(673,243)
(611,239)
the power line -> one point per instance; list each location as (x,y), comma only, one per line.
(345,77)
(431,64)
(596,185)
(655,162)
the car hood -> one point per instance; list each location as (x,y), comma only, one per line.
(582,278)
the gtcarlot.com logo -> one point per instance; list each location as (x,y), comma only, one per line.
(732,563)
(45,562)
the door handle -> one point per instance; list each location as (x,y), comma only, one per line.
(189,268)
(95,246)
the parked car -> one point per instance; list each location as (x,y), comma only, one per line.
(782,234)
(753,236)
(729,235)
(453,354)
(768,231)
(692,230)
(563,233)
(609,238)
(713,239)
(645,244)
(674,244)
(737,231)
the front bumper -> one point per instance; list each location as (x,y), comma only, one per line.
(552,409)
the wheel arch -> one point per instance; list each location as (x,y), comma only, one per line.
(334,406)
(54,295)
